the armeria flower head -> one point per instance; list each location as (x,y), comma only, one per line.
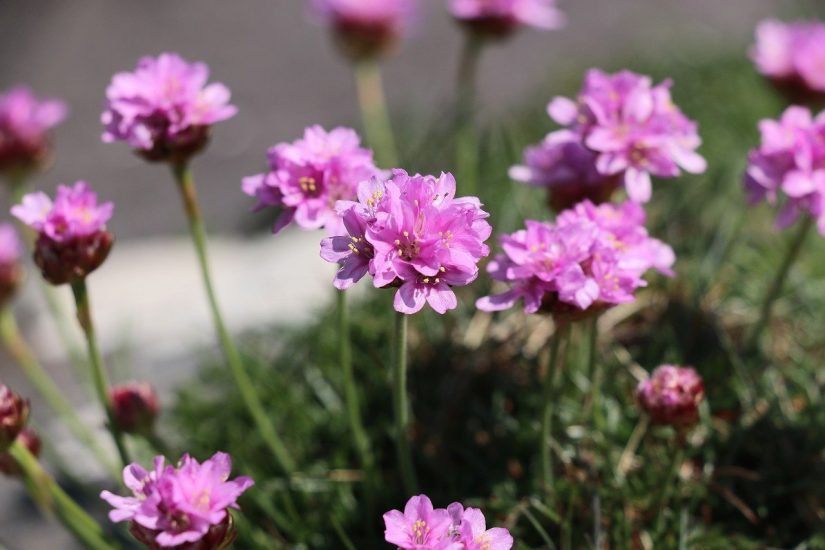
(25,125)
(790,164)
(184,506)
(308,177)
(14,413)
(591,258)
(419,527)
(410,232)
(135,407)
(473,534)
(72,237)
(792,55)
(164,108)
(499,18)
(11,272)
(366,29)
(671,396)
(633,128)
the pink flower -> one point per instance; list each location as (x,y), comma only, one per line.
(790,162)
(410,232)
(307,178)
(366,29)
(591,258)
(474,535)
(179,505)
(10,247)
(671,396)
(632,127)
(502,17)
(164,108)
(25,124)
(791,54)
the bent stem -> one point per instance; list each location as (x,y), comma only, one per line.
(402,412)
(551,378)
(51,498)
(779,280)
(374,114)
(186,186)
(23,355)
(99,377)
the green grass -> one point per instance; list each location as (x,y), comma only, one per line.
(753,469)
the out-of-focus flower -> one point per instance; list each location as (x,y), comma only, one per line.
(72,237)
(365,30)
(792,55)
(30,440)
(499,18)
(164,108)
(631,127)
(135,407)
(307,178)
(410,232)
(591,258)
(25,125)
(790,162)
(11,273)
(14,413)
(671,396)
(180,507)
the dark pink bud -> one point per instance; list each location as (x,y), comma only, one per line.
(29,439)
(14,412)
(71,260)
(365,39)
(671,396)
(135,407)
(218,537)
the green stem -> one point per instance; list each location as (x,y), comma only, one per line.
(550,382)
(595,375)
(671,483)
(374,114)
(779,281)
(402,410)
(22,354)
(186,186)
(51,497)
(359,434)
(467,142)
(99,377)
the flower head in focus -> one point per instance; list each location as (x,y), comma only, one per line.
(26,123)
(671,396)
(500,18)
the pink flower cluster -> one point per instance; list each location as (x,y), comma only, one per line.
(791,54)
(74,212)
(420,527)
(179,506)
(671,396)
(631,127)
(790,161)
(592,257)
(366,29)
(307,178)
(410,232)
(25,123)
(501,17)
(164,108)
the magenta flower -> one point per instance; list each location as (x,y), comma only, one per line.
(72,237)
(308,177)
(164,108)
(498,18)
(25,125)
(366,29)
(591,258)
(790,162)
(671,396)
(180,506)
(792,55)
(632,127)
(410,232)
(474,535)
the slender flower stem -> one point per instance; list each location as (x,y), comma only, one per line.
(186,186)
(779,281)
(374,114)
(672,482)
(402,410)
(22,354)
(467,142)
(595,375)
(550,383)
(362,442)
(50,497)
(99,377)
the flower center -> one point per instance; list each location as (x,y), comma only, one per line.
(420,530)
(408,248)
(309,185)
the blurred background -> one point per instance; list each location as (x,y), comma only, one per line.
(284,75)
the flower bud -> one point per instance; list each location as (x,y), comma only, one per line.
(70,261)
(14,412)
(219,537)
(29,439)
(135,407)
(671,396)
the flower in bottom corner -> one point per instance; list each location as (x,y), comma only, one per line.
(185,507)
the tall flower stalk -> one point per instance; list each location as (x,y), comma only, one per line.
(374,113)
(467,142)
(551,382)
(400,403)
